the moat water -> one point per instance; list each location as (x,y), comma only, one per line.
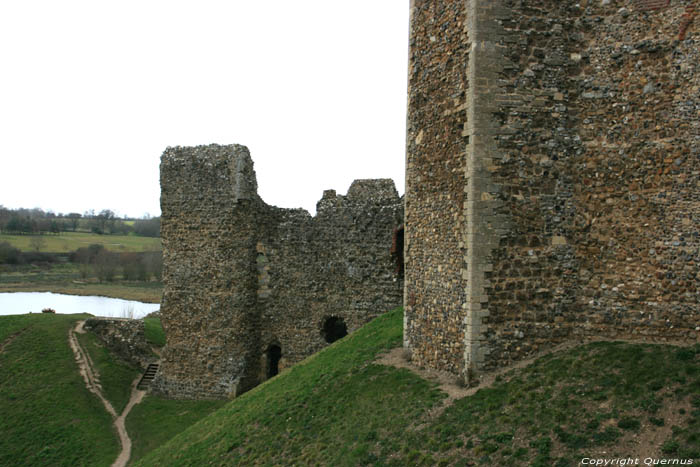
(18,303)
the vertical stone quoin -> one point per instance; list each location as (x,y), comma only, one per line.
(577,165)
(485,223)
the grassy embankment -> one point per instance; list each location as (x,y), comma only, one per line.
(338,408)
(115,375)
(48,416)
(155,420)
(66,277)
(153,331)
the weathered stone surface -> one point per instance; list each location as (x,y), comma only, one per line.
(242,278)
(552,179)
(124,337)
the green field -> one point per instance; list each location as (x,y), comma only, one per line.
(71,241)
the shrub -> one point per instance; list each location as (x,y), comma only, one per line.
(106,266)
(629,423)
(9,254)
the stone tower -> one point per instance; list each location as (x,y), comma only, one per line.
(552,177)
(250,289)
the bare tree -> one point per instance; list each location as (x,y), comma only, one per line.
(37,242)
(74,218)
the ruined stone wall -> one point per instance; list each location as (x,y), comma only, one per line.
(241,277)
(581,156)
(336,264)
(124,337)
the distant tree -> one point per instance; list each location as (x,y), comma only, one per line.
(106,265)
(154,264)
(107,219)
(74,219)
(14,224)
(9,254)
(103,222)
(5,216)
(134,266)
(121,227)
(93,223)
(20,224)
(87,254)
(147,227)
(37,242)
(41,224)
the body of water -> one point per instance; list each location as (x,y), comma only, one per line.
(19,303)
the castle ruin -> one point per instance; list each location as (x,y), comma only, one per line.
(552,194)
(250,288)
(552,177)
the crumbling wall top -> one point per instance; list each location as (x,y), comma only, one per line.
(379,190)
(212,165)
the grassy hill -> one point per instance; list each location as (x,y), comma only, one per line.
(339,408)
(48,417)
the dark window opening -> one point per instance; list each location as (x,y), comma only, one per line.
(333,329)
(274,354)
(397,250)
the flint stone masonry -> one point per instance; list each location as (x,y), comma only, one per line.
(124,337)
(242,278)
(552,177)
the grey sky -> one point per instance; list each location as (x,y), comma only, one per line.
(91,93)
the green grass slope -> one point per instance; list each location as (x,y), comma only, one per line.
(155,421)
(47,416)
(339,408)
(153,331)
(115,375)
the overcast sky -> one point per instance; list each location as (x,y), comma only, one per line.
(92,92)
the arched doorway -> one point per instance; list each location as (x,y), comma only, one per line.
(274,354)
(334,328)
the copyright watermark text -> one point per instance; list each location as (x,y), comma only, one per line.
(621,461)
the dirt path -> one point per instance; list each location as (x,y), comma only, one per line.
(92,382)
(11,338)
(119,423)
(646,444)
(448,382)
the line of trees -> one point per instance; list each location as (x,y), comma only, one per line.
(36,221)
(11,255)
(95,261)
